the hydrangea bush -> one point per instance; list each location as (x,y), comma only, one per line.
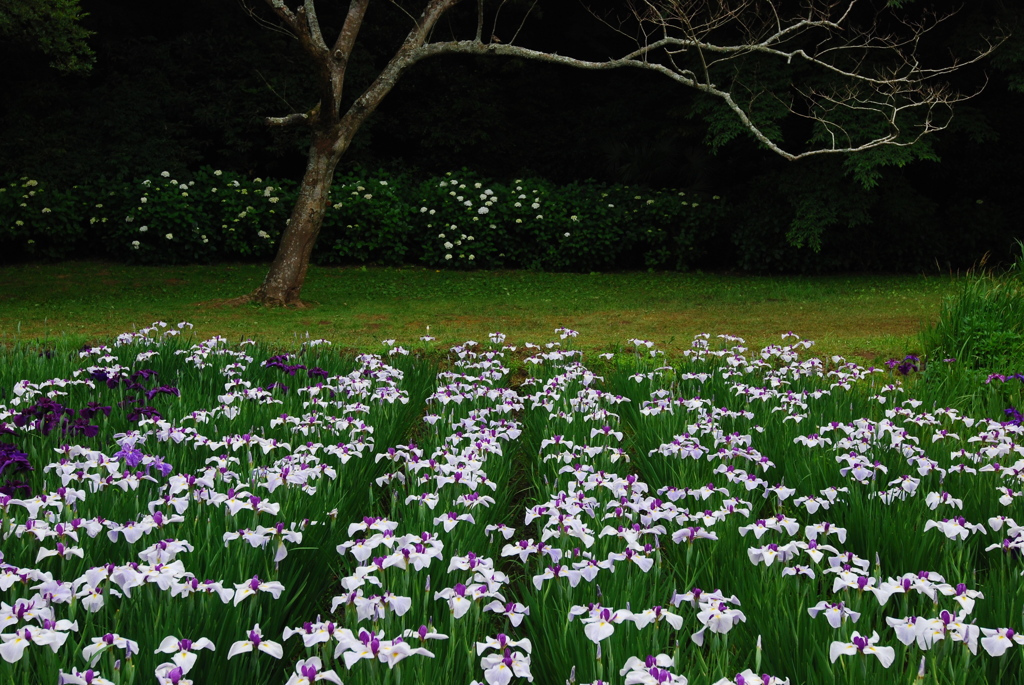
(531,223)
(458,220)
(216,215)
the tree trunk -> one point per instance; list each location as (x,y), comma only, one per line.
(283,283)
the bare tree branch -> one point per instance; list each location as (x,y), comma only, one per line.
(288,120)
(316,38)
(269,25)
(347,36)
(286,16)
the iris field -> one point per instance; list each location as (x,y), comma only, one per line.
(207,512)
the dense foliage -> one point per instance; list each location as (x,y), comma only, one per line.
(457,220)
(52,28)
(983,324)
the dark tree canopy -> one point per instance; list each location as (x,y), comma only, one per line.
(51,27)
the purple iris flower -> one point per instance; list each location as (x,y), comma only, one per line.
(92,409)
(11,487)
(132,457)
(147,412)
(102,376)
(81,427)
(277,361)
(163,389)
(144,374)
(13,459)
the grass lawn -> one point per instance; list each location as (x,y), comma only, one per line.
(861,317)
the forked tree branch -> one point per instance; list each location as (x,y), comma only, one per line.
(876,76)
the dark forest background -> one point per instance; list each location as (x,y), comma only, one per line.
(177,86)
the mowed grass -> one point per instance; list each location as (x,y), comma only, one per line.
(860,317)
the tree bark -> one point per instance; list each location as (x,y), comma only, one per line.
(283,283)
(332,133)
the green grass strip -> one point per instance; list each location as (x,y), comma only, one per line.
(861,317)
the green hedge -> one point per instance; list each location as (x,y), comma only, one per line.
(458,221)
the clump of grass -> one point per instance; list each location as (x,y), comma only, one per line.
(982,326)
(974,353)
